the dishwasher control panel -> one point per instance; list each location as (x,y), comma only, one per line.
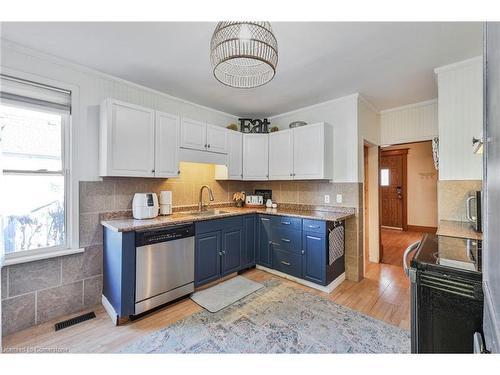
(149,237)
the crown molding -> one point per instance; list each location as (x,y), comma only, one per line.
(6,43)
(409,106)
(351,96)
(459,64)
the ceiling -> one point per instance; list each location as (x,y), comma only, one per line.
(390,64)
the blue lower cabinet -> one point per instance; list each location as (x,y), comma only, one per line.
(232,243)
(314,257)
(264,237)
(248,250)
(208,252)
(287,262)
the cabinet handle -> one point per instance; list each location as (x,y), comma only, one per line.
(224,252)
(285,222)
(205,145)
(285,240)
(220,253)
(152,171)
(209,145)
(285,263)
(274,244)
(291,174)
(302,252)
(313,226)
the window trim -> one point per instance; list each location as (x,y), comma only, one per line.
(70,147)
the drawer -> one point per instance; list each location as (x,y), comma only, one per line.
(286,222)
(288,263)
(317,226)
(211,225)
(287,239)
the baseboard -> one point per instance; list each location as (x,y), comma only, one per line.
(327,289)
(420,228)
(111,311)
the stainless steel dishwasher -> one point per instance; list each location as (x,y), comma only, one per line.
(164,267)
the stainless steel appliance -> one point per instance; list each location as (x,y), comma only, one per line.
(473,210)
(164,266)
(446,294)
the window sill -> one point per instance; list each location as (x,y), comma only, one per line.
(10,260)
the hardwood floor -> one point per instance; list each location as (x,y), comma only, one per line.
(382,294)
(395,242)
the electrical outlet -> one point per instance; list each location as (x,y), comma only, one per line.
(327,198)
(339,198)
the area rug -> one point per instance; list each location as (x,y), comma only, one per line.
(277,319)
(226,293)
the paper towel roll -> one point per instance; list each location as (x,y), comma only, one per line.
(165,197)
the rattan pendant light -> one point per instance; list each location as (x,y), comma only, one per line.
(244,54)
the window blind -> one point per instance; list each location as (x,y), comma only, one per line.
(34,93)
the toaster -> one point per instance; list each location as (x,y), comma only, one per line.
(145,206)
(254,200)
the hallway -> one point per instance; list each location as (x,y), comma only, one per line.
(395,242)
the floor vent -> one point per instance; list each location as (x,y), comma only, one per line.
(75,320)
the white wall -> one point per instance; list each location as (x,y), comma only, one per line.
(460,88)
(92,88)
(342,114)
(368,130)
(411,123)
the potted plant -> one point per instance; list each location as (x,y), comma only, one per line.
(239,198)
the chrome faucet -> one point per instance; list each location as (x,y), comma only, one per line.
(200,201)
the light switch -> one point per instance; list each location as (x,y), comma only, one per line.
(339,198)
(327,198)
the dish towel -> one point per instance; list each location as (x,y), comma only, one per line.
(336,243)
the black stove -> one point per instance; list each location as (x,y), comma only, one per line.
(446,294)
(449,254)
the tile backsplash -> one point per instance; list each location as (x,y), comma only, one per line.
(451,198)
(43,290)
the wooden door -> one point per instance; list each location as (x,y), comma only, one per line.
(281,155)
(393,188)
(167,145)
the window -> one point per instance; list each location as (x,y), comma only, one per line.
(34,181)
(384,177)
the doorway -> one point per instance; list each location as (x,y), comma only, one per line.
(408,197)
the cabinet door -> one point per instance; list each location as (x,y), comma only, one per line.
(248,251)
(216,139)
(130,146)
(281,155)
(308,152)
(235,155)
(264,241)
(255,157)
(193,134)
(314,258)
(208,252)
(166,145)
(232,243)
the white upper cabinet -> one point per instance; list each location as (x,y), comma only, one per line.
(313,152)
(193,134)
(167,129)
(198,135)
(234,155)
(281,155)
(216,139)
(127,140)
(255,157)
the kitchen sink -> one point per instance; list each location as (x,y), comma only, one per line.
(205,213)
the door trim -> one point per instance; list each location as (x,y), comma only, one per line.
(404,153)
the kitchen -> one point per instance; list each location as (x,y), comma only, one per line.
(181,227)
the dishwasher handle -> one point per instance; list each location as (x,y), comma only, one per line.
(166,234)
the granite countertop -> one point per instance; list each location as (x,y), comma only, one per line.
(130,224)
(458,229)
